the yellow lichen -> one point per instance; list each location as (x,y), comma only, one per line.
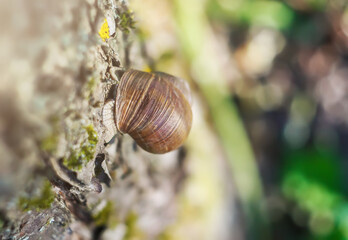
(104,31)
(147,68)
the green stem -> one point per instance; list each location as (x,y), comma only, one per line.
(196,42)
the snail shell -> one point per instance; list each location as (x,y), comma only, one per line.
(153,108)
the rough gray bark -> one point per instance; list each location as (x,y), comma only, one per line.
(57,178)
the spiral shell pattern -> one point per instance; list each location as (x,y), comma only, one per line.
(153,110)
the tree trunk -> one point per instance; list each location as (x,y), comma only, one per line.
(58,178)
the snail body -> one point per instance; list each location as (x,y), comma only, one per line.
(153,108)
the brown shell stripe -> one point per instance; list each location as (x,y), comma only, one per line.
(163,131)
(179,121)
(136,122)
(160,121)
(159,112)
(129,112)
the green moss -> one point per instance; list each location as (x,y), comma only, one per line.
(86,152)
(92,135)
(43,201)
(77,159)
(74,161)
(103,217)
(133,232)
(50,142)
(90,85)
(127,21)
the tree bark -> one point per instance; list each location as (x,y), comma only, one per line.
(58,179)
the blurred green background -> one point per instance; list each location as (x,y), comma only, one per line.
(270,80)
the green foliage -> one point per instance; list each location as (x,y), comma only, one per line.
(305,30)
(312,179)
(273,14)
(317,165)
(42,201)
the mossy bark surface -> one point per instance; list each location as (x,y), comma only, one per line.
(58,179)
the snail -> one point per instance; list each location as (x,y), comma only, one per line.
(153,108)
